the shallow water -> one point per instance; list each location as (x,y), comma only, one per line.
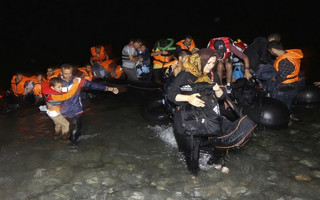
(123,156)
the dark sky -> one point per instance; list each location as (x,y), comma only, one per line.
(35,34)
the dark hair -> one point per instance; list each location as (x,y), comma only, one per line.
(189,36)
(275,36)
(276,45)
(138,40)
(54,81)
(66,66)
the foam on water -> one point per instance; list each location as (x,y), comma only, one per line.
(165,133)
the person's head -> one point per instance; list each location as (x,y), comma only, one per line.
(66,72)
(188,39)
(98,49)
(208,59)
(137,43)
(275,48)
(56,84)
(88,67)
(143,47)
(274,37)
(184,54)
(39,77)
(50,71)
(19,76)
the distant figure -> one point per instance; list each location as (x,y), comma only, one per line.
(98,54)
(52,72)
(21,87)
(187,44)
(258,52)
(130,59)
(37,80)
(225,47)
(87,71)
(143,67)
(162,52)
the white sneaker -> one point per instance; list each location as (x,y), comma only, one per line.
(228,89)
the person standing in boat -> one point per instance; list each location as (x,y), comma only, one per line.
(130,59)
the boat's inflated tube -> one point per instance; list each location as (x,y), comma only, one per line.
(268,112)
(309,95)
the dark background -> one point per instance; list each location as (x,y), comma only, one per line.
(38,34)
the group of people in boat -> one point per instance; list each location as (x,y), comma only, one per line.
(192,77)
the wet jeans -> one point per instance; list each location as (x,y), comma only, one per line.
(76,124)
(285,96)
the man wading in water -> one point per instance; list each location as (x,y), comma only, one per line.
(72,108)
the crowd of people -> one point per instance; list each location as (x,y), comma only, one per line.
(182,62)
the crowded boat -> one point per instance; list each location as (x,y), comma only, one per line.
(216,96)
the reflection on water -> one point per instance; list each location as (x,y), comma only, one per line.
(122,156)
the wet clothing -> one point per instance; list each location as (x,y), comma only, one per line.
(182,79)
(73,106)
(61,124)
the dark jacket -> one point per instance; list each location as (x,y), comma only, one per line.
(190,119)
(258,53)
(73,106)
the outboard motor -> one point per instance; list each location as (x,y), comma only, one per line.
(268,113)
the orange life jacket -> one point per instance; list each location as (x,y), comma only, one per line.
(18,88)
(183,46)
(160,60)
(294,56)
(102,55)
(116,73)
(87,75)
(170,63)
(37,86)
(106,64)
(56,73)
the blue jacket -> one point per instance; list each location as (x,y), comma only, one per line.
(73,106)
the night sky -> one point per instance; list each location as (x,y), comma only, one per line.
(37,34)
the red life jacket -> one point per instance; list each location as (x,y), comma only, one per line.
(47,91)
(226,41)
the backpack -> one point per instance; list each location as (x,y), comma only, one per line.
(205,121)
(243,91)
